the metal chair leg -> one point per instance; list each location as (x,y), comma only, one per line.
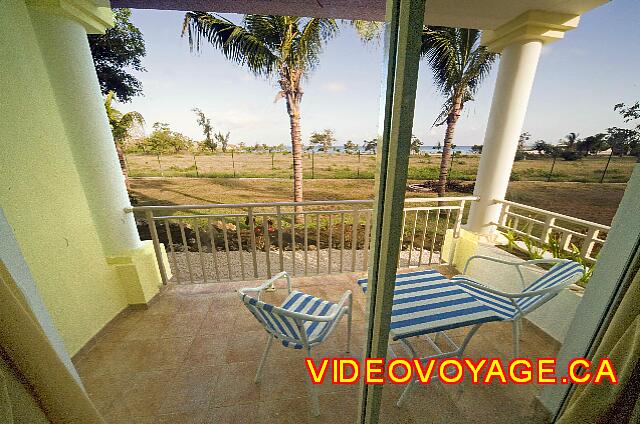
(313,393)
(349,319)
(264,358)
(516,338)
(405,393)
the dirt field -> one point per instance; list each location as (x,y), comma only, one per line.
(594,202)
(339,166)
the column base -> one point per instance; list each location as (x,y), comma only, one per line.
(456,251)
(139,273)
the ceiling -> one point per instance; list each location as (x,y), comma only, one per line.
(481,14)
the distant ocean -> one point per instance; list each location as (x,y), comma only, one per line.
(458,149)
(423,149)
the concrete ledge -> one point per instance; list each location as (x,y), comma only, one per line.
(138,273)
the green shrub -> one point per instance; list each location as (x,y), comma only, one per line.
(571,155)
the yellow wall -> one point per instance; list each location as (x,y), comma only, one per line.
(41,193)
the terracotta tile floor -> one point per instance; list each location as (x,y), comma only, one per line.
(192,357)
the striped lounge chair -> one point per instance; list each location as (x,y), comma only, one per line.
(426,303)
(301,322)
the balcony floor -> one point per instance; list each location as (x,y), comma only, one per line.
(192,356)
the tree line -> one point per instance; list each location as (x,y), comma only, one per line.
(286,49)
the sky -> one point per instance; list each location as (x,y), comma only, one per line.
(578,80)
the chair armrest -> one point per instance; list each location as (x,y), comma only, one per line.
(488,258)
(516,264)
(469,282)
(268,284)
(346,297)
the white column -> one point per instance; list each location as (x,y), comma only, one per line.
(518,64)
(520,43)
(65,50)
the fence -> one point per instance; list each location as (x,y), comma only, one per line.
(543,231)
(235,242)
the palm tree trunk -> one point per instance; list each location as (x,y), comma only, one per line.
(452,119)
(296,150)
(123,164)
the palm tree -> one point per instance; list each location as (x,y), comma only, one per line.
(285,47)
(592,144)
(121,124)
(459,64)
(571,140)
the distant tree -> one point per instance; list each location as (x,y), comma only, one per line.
(121,124)
(629,113)
(322,141)
(592,144)
(570,154)
(370,145)
(284,47)
(116,52)
(623,141)
(476,148)
(542,147)
(437,147)
(459,64)
(522,146)
(570,141)
(207,129)
(415,144)
(350,147)
(223,139)
(163,140)
(568,145)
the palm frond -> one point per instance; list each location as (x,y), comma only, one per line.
(306,48)
(440,48)
(237,43)
(369,31)
(458,62)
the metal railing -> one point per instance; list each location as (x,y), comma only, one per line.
(236,242)
(552,232)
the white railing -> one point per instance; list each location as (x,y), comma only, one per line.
(236,242)
(550,232)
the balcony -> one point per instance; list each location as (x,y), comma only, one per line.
(192,357)
(78,273)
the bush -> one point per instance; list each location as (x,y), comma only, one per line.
(571,155)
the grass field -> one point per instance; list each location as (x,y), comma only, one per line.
(594,202)
(343,166)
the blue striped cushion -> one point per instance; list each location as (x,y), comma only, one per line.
(503,306)
(558,274)
(426,302)
(283,327)
(306,304)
